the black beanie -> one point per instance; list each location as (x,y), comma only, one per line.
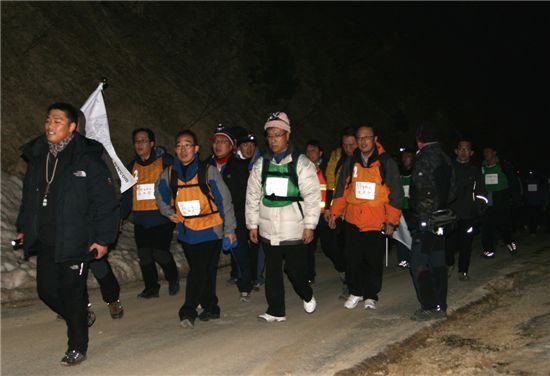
(427,132)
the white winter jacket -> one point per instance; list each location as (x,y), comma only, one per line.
(284,224)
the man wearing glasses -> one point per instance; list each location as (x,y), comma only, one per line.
(282,211)
(152,231)
(370,194)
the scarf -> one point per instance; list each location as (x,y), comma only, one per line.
(60,146)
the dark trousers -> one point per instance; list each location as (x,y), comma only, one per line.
(201,279)
(365,256)
(534,216)
(460,240)
(62,286)
(242,260)
(428,270)
(108,284)
(332,245)
(294,258)
(153,245)
(497,221)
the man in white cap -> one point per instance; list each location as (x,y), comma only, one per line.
(282,211)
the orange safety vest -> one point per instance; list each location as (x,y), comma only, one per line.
(323,185)
(366,187)
(195,209)
(144,189)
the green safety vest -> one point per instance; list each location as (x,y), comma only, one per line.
(292,193)
(495,179)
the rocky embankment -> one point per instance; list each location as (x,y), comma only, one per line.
(18,277)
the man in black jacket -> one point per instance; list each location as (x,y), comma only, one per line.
(432,186)
(469,205)
(68,209)
(235,175)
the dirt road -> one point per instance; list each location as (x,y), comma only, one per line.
(149,340)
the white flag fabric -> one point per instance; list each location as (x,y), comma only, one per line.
(97,128)
(402,234)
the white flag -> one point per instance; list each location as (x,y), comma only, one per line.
(402,233)
(97,128)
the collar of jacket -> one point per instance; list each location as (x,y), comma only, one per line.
(376,153)
(270,155)
(156,153)
(190,171)
(81,145)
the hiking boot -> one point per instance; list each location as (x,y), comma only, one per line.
(205,316)
(428,314)
(268,318)
(73,357)
(512,247)
(370,304)
(310,306)
(244,297)
(148,294)
(463,277)
(116,310)
(173,288)
(187,322)
(488,254)
(352,301)
(91,317)
(256,285)
(403,264)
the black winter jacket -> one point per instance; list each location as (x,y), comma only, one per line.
(469,186)
(86,207)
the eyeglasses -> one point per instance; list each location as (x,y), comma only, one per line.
(275,135)
(185,147)
(221,141)
(141,142)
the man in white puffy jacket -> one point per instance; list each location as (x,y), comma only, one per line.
(282,211)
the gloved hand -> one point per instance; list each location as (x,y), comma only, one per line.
(227,246)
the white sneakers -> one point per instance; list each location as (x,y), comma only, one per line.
(310,306)
(370,304)
(268,318)
(352,301)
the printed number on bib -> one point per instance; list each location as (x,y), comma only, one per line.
(491,179)
(145,192)
(189,208)
(365,190)
(406,190)
(276,186)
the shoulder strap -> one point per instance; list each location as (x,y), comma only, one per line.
(173,183)
(203,185)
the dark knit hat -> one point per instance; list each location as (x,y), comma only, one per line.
(427,132)
(221,130)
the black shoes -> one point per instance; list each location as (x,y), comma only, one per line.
(428,314)
(73,357)
(187,322)
(91,317)
(174,288)
(205,316)
(116,310)
(148,294)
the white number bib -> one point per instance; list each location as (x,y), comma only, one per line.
(145,192)
(406,190)
(189,208)
(276,186)
(491,179)
(365,190)
(532,187)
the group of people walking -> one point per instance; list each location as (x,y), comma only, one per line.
(267,210)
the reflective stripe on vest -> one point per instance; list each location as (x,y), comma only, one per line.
(194,208)
(278,187)
(144,190)
(323,185)
(366,186)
